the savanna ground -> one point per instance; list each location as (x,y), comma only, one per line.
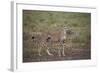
(78,44)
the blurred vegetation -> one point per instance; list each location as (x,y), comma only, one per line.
(34,21)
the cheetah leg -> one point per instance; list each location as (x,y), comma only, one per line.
(49,52)
(63,51)
(39,51)
(59,52)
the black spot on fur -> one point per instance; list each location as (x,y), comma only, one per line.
(48,39)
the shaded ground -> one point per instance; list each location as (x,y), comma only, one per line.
(71,54)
